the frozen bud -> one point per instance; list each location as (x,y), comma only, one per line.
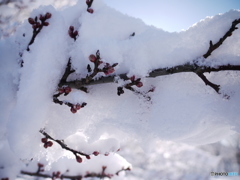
(78,106)
(79,159)
(44,140)
(42,18)
(95,153)
(48,15)
(90,10)
(118,150)
(88,157)
(106,154)
(139,84)
(92,58)
(73,110)
(67,89)
(45,23)
(49,143)
(31,21)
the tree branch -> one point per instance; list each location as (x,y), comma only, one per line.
(58,174)
(212,46)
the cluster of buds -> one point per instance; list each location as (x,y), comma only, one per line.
(56,174)
(109,69)
(89,4)
(136,82)
(38,25)
(73,34)
(65,90)
(46,143)
(76,107)
(106,69)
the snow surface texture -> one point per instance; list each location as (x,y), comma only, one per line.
(182,109)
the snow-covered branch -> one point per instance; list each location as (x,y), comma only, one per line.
(194,67)
(58,174)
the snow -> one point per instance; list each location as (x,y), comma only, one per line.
(182,108)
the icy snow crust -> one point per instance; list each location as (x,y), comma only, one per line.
(183,108)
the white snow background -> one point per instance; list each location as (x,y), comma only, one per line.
(183,109)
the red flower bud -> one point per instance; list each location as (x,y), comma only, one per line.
(45,145)
(45,23)
(34,26)
(31,21)
(75,33)
(77,106)
(132,78)
(40,165)
(139,84)
(61,90)
(71,28)
(90,10)
(42,18)
(92,58)
(95,153)
(88,157)
(67,89)
(44,140)
(49,143)
(48,15)
(109,70)
(79,159)
(73,110)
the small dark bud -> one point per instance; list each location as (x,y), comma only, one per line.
(75,33)
(71,28)
(84,104)
(48,15)
(95,153)
(44,140)
(40,165)
(132,78)
(31,21)
(90,10)
(36,19)
(88,157)
(67,89)
(77,106)
(139,84)
(34,26)
(42,18)
(73,110)
(115,64)
(49,143)
(46,23)
(79,159)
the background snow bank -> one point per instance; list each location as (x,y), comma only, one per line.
(182,109)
